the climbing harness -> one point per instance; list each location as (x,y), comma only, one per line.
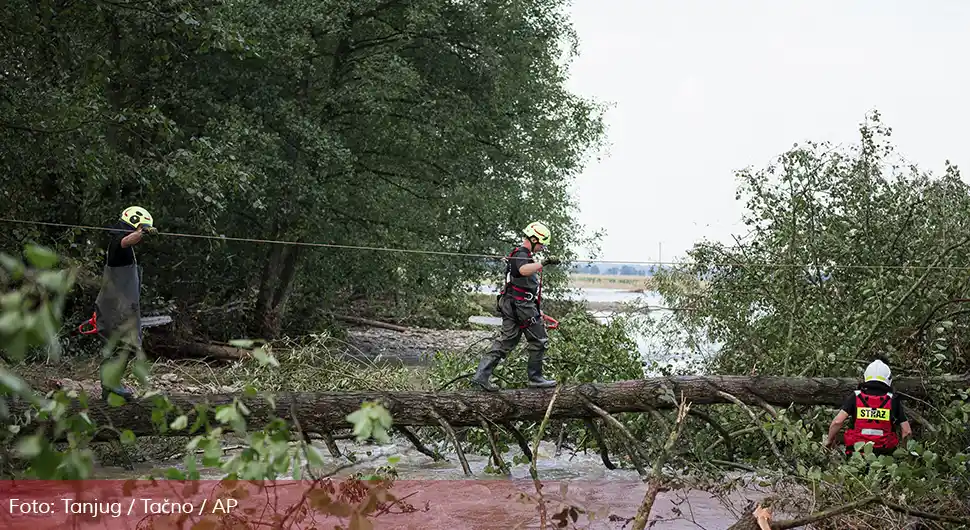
(547,320)
(525,295)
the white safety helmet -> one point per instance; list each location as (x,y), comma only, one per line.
(879,371)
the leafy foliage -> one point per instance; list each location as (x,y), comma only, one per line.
(29,446)
(850,253)
(439,126)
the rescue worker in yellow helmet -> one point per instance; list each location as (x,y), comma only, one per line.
(519,304)
(875,412)
(118,306)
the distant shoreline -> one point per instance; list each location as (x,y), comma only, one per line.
(608,281)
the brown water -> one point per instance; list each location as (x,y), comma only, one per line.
(484,500)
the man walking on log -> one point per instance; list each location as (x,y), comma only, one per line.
(118,306)
(875,411)
(520,307)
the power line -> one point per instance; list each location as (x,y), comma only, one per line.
(492,256)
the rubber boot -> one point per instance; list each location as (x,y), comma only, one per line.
(484,373)
(535,371)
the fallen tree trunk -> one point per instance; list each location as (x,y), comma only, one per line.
(199,350)
(327,411)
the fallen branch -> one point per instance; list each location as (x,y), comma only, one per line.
(493,445)
(182,349)
(520,439)
(771,441)
(532,466)
(601,443)
(304,442)
(561,439)
(861,503)
(632,445)
(331,444)
(418,444)
(735,434)
(725,435)
(656,476)
(454,440)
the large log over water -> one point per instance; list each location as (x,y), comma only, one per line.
(325,411)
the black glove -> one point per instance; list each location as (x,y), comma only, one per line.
(551,260)
(148,229)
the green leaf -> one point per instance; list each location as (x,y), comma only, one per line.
(53,280)
(13,265)
(30,446)
(40,257)
(265,358)
(16,345)
(12,382)
(227,414)
(111,371)
(12,301)
(115,400)
(314,456)
(242,343)
(11,322)
(127,437)
(140,370)
(180,423)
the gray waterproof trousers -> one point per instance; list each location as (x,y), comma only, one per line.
(119,311)
(514,314)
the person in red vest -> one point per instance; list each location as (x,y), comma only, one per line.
(875,411)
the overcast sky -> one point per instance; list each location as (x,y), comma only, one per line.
(702,88)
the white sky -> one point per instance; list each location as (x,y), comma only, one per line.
(702,88)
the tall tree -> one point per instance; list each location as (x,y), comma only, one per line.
(850,253)
(441,126)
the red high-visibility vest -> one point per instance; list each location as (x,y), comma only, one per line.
(873,422)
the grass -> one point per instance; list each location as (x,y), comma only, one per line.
(604,281)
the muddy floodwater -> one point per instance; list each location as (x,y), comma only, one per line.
(449,499)
(453,500)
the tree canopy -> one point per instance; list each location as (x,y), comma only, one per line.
(851,253)
(441,126)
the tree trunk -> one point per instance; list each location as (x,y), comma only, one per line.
(264,297)
(320,412)
(273,317)
(275,287)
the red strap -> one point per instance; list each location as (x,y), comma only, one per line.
(93,322)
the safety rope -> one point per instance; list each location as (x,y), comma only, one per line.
(492,256)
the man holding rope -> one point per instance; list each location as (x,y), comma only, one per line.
(118,306)
(519,304)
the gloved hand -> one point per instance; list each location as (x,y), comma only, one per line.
(551,260)
(148,229)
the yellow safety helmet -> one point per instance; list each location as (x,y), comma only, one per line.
(137,216)
(539,231)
